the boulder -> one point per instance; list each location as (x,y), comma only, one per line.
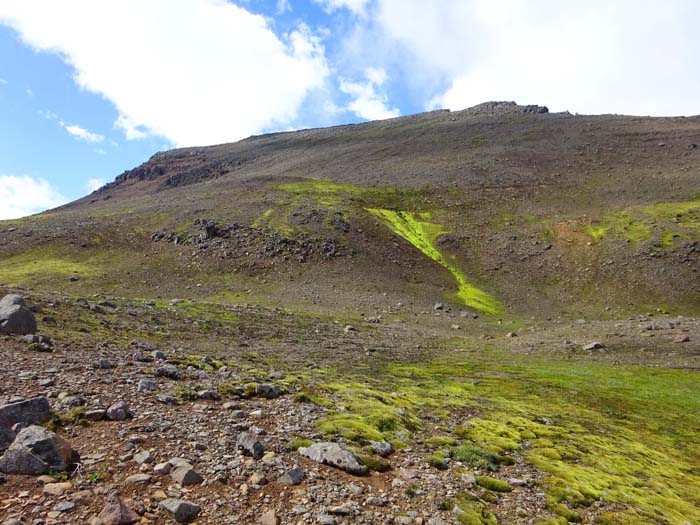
(15,317)
(35,411)
(37,451)
(334,455)
(12,300)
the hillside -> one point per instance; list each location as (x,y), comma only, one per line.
(507,296)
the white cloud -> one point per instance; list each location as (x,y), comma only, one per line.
(194,71)
(283,6)
(627,56)
(82,134)
(95,184)
(29,92)
(23,195)
(356,6)
(3,81)
(369,100)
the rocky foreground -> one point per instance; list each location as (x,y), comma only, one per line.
(140,435)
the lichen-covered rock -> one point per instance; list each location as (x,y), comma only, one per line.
(334,455)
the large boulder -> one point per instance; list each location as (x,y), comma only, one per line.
(15,317)
(11,300)
(334,455)
(35,411)
(37,451)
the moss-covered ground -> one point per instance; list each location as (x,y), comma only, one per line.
(623,439)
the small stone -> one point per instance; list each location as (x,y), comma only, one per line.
(97,414)
(64,506)
(293,477)
(208,395)
(249,445)
(184,475)
(143,457)
(119,411)
(257,479)
(115,512)
(167,399)
(268,391)
(138,479)
(595,345)
(276,374)
(162,468)
(269,518)
(104,364)
(169,371)
(681,339)
(381,448)
(146,385)
(57,489)
(183,511)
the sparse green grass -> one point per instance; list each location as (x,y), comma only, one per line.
(43,266)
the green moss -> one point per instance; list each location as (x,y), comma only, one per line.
(496,485)
(423,235)
(676,219)
(44,265)
(296,443)
(185,393)
(308,397)
(374,463)
(441,441)
(438,460)
(475,456)
(571,516)
(471,511)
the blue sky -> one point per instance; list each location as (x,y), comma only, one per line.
(91,88)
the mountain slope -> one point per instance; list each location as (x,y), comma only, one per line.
(536,213)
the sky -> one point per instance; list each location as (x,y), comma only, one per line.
(90,88)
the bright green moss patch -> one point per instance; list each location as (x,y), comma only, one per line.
(471,511)
(474,456)
(423,235)
(441,441)
(297,442)
(374,463)
(625,435)
(496,485)
(669,219)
